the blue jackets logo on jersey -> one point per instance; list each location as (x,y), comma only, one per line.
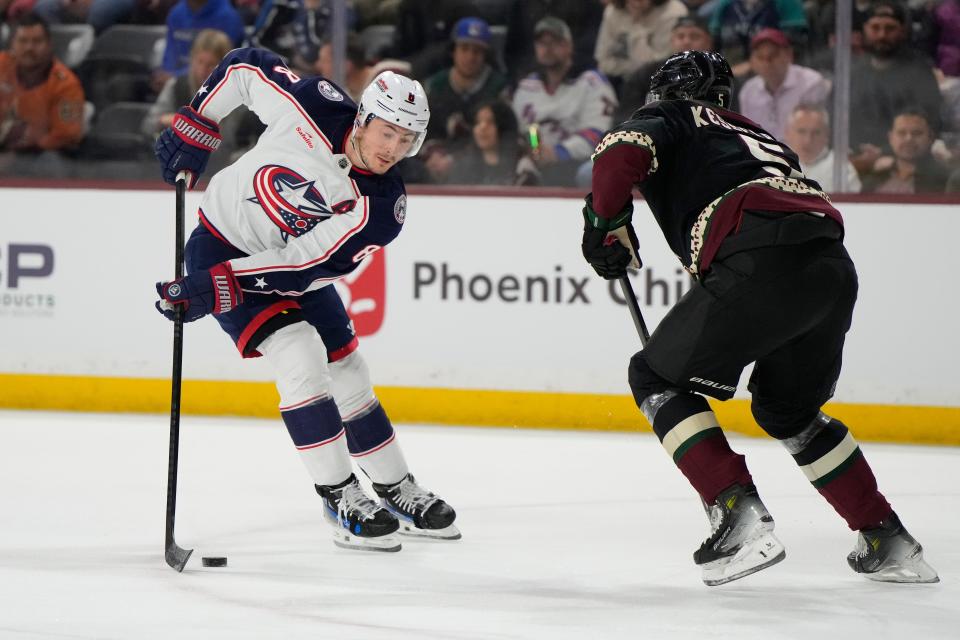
(328,91)
(291,201)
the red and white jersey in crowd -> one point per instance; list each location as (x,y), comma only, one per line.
(573,117)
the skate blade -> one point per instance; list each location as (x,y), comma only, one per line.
(912,570)
(447,533)
(388,543)
(756,555)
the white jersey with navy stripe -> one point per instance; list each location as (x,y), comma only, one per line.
(294,203)
(573,117)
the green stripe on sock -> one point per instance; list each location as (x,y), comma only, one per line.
(686,429)
(702,435)
(843,466)
(828,462)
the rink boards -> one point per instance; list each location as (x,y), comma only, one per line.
(482,312)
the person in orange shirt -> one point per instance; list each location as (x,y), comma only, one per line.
(41,100)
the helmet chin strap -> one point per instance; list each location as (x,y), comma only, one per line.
(356,148)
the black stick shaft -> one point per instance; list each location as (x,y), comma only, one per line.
(176,557)
(631,299)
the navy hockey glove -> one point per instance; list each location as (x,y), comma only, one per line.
(609,245)
(215,291)
(186,145)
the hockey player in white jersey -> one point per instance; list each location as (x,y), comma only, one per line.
(316,195)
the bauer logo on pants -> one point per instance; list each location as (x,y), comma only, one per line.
(363,292)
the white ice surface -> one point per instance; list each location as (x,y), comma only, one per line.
(565,535)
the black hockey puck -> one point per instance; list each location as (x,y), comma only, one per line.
(212,561)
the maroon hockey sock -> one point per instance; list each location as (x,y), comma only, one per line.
(833,463)
(854,495)
(689,431)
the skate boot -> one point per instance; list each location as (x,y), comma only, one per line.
(358,521)
(742,540)
(890,554)
(421,512)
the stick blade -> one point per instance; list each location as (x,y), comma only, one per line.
(177,557)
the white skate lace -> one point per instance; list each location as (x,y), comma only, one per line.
(411,497)
(353,499)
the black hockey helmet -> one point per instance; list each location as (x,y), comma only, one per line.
(693,75)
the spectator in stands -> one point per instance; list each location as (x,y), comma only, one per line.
(912,167)
(100,14)
(779,85)
(209,48)
(689,33)
(888,77)
(41,100)
(808,134)
(634,33)
(187,18)
(571,106)
(423,32)
(295,29)
(356,67)
(239,130)
(583,17)
(822,16)
(735,22)
(456,90)
(945,36)
(494,155)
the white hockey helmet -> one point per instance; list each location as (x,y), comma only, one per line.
(398,100)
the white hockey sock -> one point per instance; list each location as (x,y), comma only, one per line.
(327,462)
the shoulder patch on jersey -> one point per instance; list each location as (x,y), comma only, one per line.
(628,136)
(400,209)
(329,92)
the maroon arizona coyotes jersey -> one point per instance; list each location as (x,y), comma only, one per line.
(700,167)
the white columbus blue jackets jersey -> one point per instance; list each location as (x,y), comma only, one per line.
(294,203)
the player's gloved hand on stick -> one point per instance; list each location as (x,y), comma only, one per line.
(609,245)
(215,291)
(186,145)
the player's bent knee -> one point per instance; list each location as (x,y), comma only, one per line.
(783,419)
(299,361)
(351,386)
(643,381)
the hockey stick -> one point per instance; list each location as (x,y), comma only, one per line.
(631,299)
(175,555)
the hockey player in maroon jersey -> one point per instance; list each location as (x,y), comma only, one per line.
(774,286)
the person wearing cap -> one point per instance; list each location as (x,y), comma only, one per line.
(633,33)
(454,91)
(564,106)
(689,33)
(779,85)
(582,17)
(734,22)
(423,32)
(888,76)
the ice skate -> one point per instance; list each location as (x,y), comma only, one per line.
(742,540)
(890,554)
(420,512)
(358,521)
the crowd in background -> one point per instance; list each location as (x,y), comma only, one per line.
(520,91)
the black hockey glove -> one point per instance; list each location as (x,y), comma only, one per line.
(215,291)
(609,245)
(186,145)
